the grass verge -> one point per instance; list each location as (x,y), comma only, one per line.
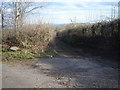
(18,56)
(25,57)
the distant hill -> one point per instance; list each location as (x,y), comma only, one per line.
(58,25)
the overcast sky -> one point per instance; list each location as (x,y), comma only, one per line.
(79,11)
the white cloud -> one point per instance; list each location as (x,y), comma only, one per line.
(9,10)
(80,15)
(63,14)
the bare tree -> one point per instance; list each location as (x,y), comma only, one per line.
(18,11)
(2,17)
(21,9)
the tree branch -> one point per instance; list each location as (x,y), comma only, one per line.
(34,9)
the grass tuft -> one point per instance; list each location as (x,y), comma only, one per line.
(49,54)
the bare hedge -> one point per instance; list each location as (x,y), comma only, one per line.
(34,38)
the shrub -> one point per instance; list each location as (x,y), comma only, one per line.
(34,38)
(102,36)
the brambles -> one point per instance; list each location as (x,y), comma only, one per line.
(32,41)
(34,38)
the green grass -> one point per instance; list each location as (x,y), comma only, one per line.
(49,54)
(25,57)
(19,54)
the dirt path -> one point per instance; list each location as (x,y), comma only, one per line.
(22,77)
(60,73)
(72,69)
(80,73)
